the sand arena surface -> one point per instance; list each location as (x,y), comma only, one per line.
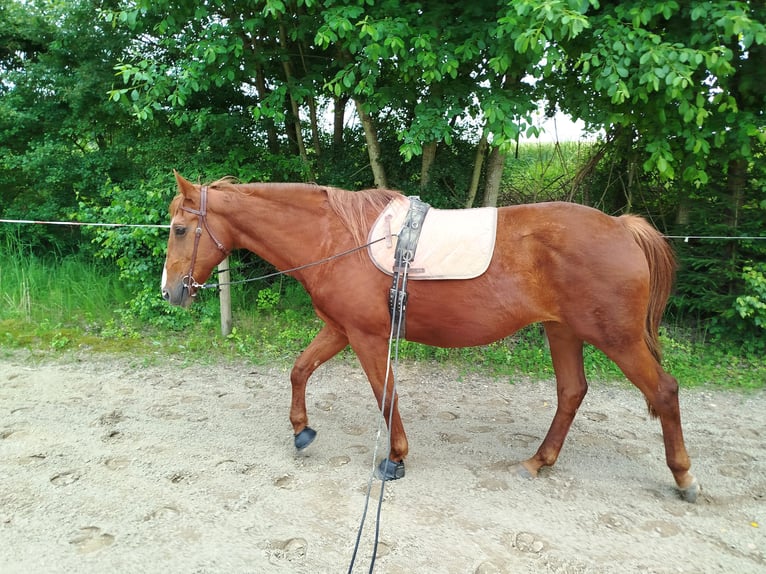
(110,466)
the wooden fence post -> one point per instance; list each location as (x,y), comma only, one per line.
(225,296)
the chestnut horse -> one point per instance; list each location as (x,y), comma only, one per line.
(587,276)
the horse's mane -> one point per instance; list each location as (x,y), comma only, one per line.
(352,207)
(227,183)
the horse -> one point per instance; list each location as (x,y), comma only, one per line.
(585,275)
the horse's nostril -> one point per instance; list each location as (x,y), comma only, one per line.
(166,294)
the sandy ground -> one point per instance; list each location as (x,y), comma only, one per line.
(110,466)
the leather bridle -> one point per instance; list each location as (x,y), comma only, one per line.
(201,214)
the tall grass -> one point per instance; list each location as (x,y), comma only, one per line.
(54,290)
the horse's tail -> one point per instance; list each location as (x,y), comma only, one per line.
(662,270)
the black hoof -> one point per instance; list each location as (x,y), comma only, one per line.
(390,470)
(305,438)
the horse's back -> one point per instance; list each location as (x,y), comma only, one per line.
(566,236)
(557,221)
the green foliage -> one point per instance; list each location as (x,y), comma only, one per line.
(752,305)
(544,172)
(138,252)
(267,299)
(98,102)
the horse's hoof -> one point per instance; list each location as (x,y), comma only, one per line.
(305,438)
(390,470)
(522,471)
(690,493)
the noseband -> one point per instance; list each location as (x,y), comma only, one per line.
(201,214)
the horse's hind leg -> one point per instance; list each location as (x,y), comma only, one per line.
(571,387)
(328,343)
(661,392)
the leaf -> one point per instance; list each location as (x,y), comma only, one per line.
(349,78)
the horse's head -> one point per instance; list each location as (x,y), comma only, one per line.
(194,246)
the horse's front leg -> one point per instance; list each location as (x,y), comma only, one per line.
(571,387)
(373,355)
(328,343)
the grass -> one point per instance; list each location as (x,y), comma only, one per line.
(51,290)
(53,307)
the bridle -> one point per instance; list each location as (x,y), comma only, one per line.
(201,214)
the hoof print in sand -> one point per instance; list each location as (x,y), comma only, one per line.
(91,539)
(65,478)
(286,481)
(290,550)
(163,513)
(528,543)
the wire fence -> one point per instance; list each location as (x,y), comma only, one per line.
(686,238)
(223,268)
(81,223)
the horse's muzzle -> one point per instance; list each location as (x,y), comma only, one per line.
(180,295)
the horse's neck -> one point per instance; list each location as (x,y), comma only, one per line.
(287,224)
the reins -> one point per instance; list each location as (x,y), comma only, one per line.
(392,367)
(286,271)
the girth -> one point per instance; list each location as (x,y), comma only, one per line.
(406,245)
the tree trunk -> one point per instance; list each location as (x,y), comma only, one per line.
(495,165)
(339,119)
(271,128)
(478,162)
(290,127)
(287,67)
(314,126)
(373,146)
(427,161)
(735,186)
(311,100)
(632,168)
(684,211)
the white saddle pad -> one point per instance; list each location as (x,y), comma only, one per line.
(453,244)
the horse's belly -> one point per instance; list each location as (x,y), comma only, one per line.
(463,328)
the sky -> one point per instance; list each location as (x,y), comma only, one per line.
(560,127)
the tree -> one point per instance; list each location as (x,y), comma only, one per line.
(436,80)
(56,129)
(680,77)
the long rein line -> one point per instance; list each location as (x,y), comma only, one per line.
(286,271)
(392,367)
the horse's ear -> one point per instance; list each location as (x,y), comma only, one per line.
(184,186)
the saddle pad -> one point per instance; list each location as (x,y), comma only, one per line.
(454,243)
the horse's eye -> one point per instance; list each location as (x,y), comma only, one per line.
(179,231)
